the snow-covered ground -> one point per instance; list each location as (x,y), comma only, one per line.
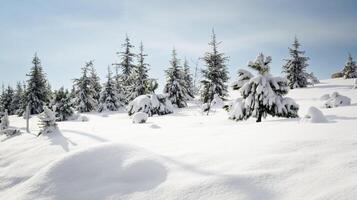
(189,155)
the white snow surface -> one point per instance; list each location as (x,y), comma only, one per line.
(189,155)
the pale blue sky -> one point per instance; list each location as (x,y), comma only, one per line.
(67,33)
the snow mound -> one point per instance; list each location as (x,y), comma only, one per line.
(314,115)
(82,118)
(140,117)
(102,172)
(337,100)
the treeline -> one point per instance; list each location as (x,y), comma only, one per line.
(131,80)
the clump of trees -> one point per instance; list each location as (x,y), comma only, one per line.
(349,70)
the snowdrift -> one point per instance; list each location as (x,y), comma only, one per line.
(314,115)
(335,100)
(102,172)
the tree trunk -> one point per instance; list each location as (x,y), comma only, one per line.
(259,119)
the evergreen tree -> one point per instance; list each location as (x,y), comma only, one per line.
(175,86)
(312,79)
(109,99)
(23,103)
(37,92)
(62,105)
(6,100)
(350,68)
(127,66)
(95,81)
(4,122)
(118,86)
(263,95)
(84,92)
(139,76)
(295,67)
(188,80)
(2,97)
(215,76)
(47,121)
(17,100)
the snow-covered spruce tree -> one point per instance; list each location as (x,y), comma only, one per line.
(295,67)
(47,121)
(17,99)
(5,122)
(187,76)
(95,81)
(109,99)
(152,104)
(23,103)
(350,68)
(37,90)
(139,76)
(127,65)
(84,93)
(1,97)
(160,104)
(312,79)
(263,95)
(243,77)
(215,76)
(62,105)
(6,100)
(175,86)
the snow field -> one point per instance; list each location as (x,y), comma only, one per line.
(189,155)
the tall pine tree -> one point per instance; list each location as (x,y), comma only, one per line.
(139,76)
(17,101)
(62,105)
(37,90)
(175,86)
(350,68)
(188,80)
(215,76)
(127,65)
(6,100)
(95,81)
(84,93)
(295,67)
